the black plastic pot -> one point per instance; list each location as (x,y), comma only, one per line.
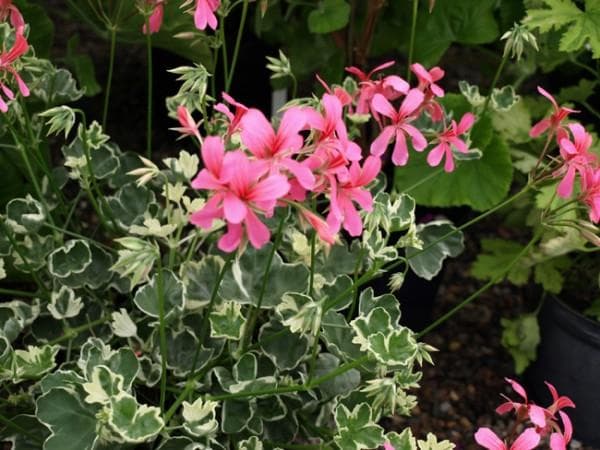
(569,358)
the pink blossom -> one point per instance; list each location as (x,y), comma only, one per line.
(536,413)
(559,440)
(590,187)
(427,84)
(350,190)
(554,122)
(576,158)
(321,227)
(527,440)
(156,18)
(388,446)
(204,15)
(234,118)
(400,126)
(7,58)
(188,126)
(277,148)
(342,94)
(449,138)
(10,11)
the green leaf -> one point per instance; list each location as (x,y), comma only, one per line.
(521,337)
(338,335)
(72,423)
(22,441)
(64,304)
(514,124)
(227,321)
(199,278)
(579,27)
(25,215)
(34,362)
(480,184)
(378,320)
(50,85)
(330,15)
(397,348)
(300,313)
(340,385)
(71,259)
(199,417)
(173,291)
(15,316)
(252,443)
(549,273)
(427,263)
(368,302)
(133,422)
(495,256)
(578,93)
(181,349)
(432,443)
(83,66)
(123,361)
(103,385)
(356,429)
(235,415)
(284,348)
(593,310)
(402,441)
(504,99)
(243,281)
(130,203)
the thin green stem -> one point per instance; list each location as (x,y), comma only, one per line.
(111,66)
(249,328)
(311,280)
(79,236)
(224,52)
(238,41)
(479,291)
(71,333)
(149,68)
(162,332)
(17,293)
(423,180)
(315,350)
(413,32)
(495,82)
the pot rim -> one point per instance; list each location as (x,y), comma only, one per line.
(574,322)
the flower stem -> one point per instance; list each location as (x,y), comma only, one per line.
(161,331)
(238,41)
(111,66)
(149,68)
(413,32)
(224,52)
(495,82)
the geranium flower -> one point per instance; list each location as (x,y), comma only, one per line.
(536,413)
(7,58)
(427,85)
(559,440)
(204,14)
(156,18)
(321,226)
(11,12)
(576,158)
(399,127)
(188,126)
(234,118)
(554,122)
(590,187)
(527,440)
(448,138)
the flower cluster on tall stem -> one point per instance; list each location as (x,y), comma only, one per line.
(8,57)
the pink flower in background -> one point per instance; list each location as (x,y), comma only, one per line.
(234,118)
(350,190)
(344,97)
(527,440)
(427,84)
(156,18)
(188,126)
(576,158)
(11,12)
(536,414)
(321,227)
(590,187)
(7,58)
(388,446)
(277,148)
(400,126)
(554,122)
(204,14)
(449,138)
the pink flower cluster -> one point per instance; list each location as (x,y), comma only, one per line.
(8,57)
(543,422)
(204,14)
(309,158)
(574,144)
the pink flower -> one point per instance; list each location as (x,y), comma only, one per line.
(399,127)
(7,58)
(536,413)
(321,227)
(156,18)
(449,138)
(388,446)
(343,96)
(277,148)
(188,126)
(559,440)
(527,440)
(240,189)
(576,158)
(10,11)
(427,84)
(350,190)
(234,118)
(554,122)
(204,15)
(590,187)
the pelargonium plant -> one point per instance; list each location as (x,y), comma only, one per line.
(218,299)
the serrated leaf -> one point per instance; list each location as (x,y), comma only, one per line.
(377,320)
(495,256)
(199,417)
(34,362)
(123,361)
(356,429)
(338,335)
(103,385)
(549,273)
(368,302)
(402,441)
(504,99)
(397,348)
(173,292)
(300,313)
(133,422)
(521,337)
(428,262)
(432,443)
(330,15)
(64,304)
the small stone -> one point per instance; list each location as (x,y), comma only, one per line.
(454,346)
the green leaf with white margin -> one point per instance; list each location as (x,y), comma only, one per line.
(130,203)
(243,281)
(181,350)
(397,348)
(284,348)
(368,302)
(235,415)
(227,321)
(356,429)
(520,337)
(173,292)
(300,313)
(65,379)
(94,135)
(34,362)
(432,443)
(133,422)
(150,371)
(123,361)
(136,259)
(36,433)
(514,124)
(200,417)
(402,441)
(329,15)
(199,278)
(103,385)
(6,353)
(340,385)
(338,335)
(64,304)
(339,289)
(391,212)
(25,215)
(182,443)
(72,423)
(250,444)
(16,315)
(336,261)
(122,325)
(471,93)
(71,259)
(378,320)
(428,262)
(504,99)
(51,85)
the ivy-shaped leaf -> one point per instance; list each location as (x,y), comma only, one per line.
(199,278)
(103,385)
(393,349)
(199,418)
(173,292)
(25,215)
(71,259)
(227,321)
(123,361)
(34,362)
(284,348)
(64,304)
(402,441)
(133,422)
(356,429)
